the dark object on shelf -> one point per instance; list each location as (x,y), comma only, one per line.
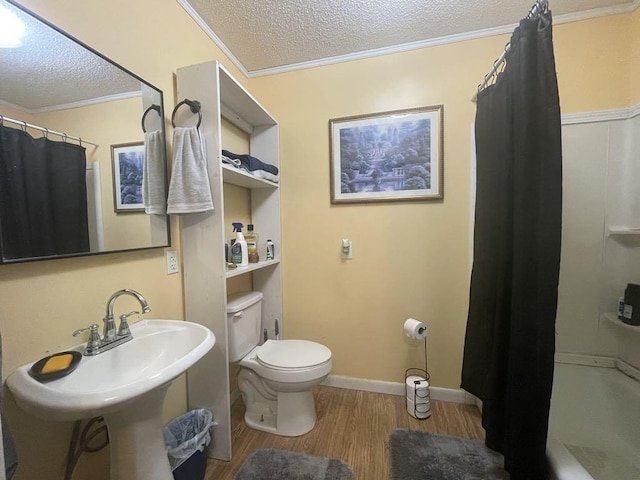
(631,313)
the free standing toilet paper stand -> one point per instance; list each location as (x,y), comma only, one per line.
(417,389)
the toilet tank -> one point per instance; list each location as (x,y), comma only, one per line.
(244,322)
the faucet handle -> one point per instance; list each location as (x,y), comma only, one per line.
(123,329)
(93,345)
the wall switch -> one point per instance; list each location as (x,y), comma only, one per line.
(172,262)
(346,252)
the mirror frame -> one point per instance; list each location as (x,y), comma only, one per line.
(37,17)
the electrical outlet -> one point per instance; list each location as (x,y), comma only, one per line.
(172,262)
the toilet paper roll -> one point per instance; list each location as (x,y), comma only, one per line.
(415,329)
(417,389)
(419,411)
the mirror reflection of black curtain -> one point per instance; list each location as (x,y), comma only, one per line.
(43,196)
(510,339)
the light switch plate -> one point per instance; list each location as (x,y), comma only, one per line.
(172,262)
(346,252)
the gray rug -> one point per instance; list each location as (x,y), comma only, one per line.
(417,455)
(271,464)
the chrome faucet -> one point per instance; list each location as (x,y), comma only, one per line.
(109,333)
(110,336)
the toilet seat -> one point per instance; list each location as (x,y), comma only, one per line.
(289,361)
(292,354)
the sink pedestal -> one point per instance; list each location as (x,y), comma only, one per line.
(136,440)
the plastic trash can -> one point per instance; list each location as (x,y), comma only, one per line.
(186,438)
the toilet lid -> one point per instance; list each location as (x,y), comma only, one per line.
(292,354)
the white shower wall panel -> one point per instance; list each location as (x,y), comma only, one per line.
(585,156)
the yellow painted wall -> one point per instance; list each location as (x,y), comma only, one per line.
(410,259)
(42,303)
(635,57)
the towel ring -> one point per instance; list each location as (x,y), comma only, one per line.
(144,115)
(195,107)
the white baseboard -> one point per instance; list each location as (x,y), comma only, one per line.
(454,395)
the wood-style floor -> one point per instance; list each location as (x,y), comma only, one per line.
(353,426)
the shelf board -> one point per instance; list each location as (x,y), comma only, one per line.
(613,318)
(241,178)
(252,267)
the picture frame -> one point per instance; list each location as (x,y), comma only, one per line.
(127,160)
(388,156)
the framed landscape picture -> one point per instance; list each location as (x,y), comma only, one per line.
(127,160)
(388,156)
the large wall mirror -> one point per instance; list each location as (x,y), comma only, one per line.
(82,148)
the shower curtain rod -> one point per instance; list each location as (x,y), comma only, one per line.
(539,7)
(45,130)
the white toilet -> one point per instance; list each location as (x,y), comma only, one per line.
(275,378)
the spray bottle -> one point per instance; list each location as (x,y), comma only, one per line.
(239,251)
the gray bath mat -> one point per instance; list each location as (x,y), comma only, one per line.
(417,455)
(271,464)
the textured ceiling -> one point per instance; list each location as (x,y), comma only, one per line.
(266,34)
(49,70)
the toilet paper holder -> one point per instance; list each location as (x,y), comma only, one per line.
(422,375)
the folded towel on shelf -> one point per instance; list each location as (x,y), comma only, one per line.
(266,175)
(153,174)
(251,163)
(231,161)
(189,190)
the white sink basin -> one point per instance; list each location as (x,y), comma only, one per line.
(126,385)
(160,351)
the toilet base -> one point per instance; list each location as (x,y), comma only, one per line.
(296,415)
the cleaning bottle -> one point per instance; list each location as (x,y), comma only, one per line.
(270,250)
(252,244)
(239,251)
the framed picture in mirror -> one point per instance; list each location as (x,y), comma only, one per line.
(127,160)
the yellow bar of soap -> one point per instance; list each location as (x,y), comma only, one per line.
(57,363)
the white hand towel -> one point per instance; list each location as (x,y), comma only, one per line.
(153,174)
(189,190)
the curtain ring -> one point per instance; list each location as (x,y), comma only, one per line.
(46,132)
(64,137)
(80,139)
(24,126)
(1,121)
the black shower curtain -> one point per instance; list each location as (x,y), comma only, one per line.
(43,196)
(510,340)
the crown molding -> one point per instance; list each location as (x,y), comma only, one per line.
(211,34)
(78,104)
(461,37)
(433,42)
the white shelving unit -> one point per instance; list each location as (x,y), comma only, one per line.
(205,273)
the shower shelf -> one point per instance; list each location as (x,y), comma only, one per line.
(623,231)
(613,318)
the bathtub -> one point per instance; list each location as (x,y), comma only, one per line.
(594,423)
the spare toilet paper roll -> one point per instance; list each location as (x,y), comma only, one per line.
(417,388)
(415,329)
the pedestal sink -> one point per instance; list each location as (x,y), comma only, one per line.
(127,386)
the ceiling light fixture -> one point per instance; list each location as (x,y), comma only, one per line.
(11,29)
